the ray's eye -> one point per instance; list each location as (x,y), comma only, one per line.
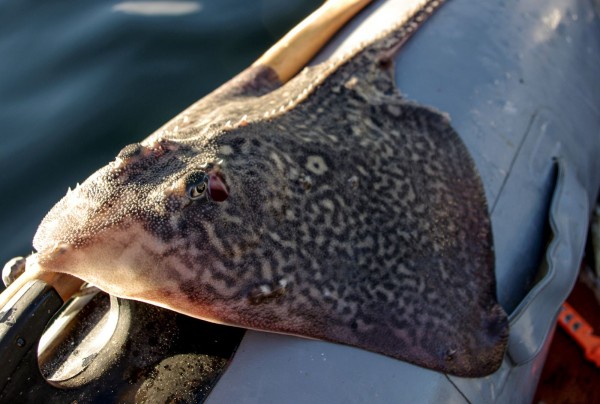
(196,185)
(197,191)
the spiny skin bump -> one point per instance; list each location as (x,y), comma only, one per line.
(344,213)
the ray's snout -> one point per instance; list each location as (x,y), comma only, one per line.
(75,220)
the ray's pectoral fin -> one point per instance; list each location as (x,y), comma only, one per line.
(466,341)
(466,347)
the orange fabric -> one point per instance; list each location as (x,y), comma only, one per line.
(581,332)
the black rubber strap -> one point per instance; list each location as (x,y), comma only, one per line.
(21,327)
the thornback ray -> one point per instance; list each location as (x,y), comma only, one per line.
(328,207)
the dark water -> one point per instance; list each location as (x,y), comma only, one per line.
(79,80)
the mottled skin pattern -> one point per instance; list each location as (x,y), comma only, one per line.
(350,214)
